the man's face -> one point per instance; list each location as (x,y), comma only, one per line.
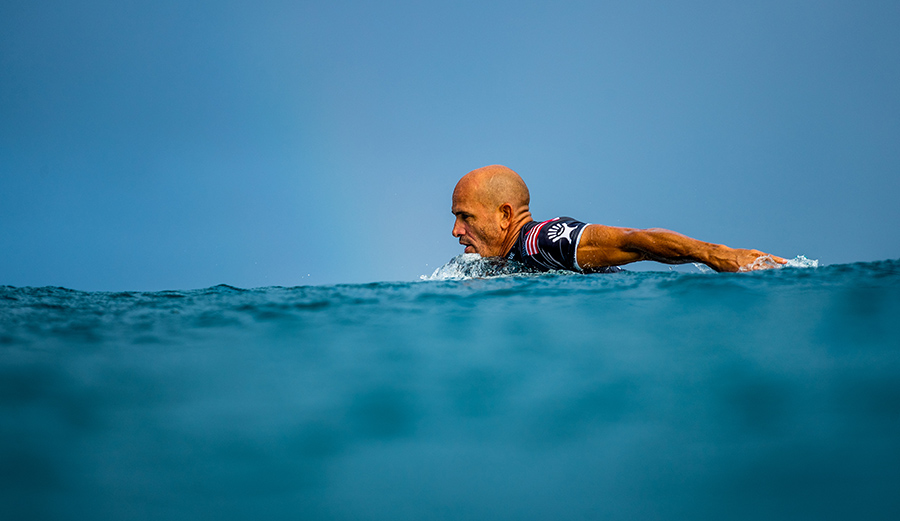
(477,226)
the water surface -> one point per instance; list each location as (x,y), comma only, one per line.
(637,395)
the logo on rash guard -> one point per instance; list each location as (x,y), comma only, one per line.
(531,240)
(560,231)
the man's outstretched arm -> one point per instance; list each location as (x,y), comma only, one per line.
(602,246)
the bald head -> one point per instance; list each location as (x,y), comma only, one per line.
(491,206)
(495,185)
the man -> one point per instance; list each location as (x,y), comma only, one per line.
(493,220)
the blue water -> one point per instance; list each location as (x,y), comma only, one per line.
(637,395)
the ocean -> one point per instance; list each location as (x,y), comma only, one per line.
(634,395)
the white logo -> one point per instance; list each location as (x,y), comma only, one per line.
(560,231)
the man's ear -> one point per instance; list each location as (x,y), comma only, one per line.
(506,215)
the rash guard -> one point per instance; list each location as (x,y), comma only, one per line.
(551,245)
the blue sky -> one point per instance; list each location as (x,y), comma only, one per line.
(175,145)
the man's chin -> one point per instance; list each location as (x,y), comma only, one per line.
(470,249)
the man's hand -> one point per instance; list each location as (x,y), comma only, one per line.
(752,260)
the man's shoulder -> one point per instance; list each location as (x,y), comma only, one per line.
(553,228)
(561,219)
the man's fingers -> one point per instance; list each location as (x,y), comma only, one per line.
(762,261)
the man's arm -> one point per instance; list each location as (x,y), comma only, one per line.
(602,246)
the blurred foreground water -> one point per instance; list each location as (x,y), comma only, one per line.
(649,395)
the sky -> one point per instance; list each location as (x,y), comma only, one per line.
(179,145)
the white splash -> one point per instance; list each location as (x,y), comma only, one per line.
(802,262)
(703,268)
(472,265)
(455,269)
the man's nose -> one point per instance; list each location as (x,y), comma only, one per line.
(457,229)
